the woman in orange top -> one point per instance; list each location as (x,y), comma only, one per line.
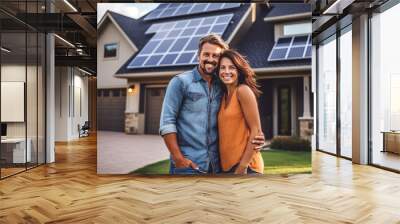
(238,118)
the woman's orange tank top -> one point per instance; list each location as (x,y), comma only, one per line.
(234,135)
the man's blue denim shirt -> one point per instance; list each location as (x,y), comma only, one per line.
(191,111)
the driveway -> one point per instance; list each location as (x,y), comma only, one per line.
(119,153)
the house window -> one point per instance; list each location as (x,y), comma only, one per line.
(106,92)
(110,50)
(284,111)
(116,92)
(297,28)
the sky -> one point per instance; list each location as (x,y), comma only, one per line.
(134,10)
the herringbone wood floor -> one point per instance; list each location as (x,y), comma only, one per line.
(69,191)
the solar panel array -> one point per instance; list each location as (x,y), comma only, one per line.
(176,43)
(291,48)
(179,9)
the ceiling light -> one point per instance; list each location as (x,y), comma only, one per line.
(70,5)
(5,50)
(65,41)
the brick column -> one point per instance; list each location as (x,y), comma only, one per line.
(134,121)
(306,127)
(306,121)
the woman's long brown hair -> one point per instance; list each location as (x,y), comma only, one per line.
(246,74)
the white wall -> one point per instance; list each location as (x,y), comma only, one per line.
(62,81)
(33,125)
(12,73)
(79,117)
(12,100)
(132,99)
(71,87)
(107,67)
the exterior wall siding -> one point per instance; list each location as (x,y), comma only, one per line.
(107,67)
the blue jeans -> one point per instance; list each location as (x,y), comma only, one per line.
(188,170)
(249,170)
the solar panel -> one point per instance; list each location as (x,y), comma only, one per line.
(290,48)
(176,42)
(168,10)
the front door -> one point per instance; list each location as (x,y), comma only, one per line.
(266,107)
(154,100)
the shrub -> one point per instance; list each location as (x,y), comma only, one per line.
(290,143)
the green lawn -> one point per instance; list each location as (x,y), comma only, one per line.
(275,162)
(283,162)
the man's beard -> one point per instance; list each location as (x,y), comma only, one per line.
(203,68)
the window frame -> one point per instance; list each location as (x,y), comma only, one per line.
(116,51)
(296,23)
(336,36)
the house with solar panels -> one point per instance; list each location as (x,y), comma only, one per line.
(275,38)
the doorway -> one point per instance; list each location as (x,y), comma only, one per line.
(154,100)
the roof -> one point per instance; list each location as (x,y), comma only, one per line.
(259,41)
(255,45)
(136,35)
(238,14)
(285,9)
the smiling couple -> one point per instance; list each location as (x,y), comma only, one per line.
(210,120)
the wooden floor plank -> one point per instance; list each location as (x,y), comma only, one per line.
(70,191)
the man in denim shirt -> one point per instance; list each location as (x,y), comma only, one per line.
(189,113)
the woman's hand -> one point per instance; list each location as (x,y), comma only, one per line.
(241,170)
(259,141)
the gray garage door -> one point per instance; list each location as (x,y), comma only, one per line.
(111,109)
(154,100)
